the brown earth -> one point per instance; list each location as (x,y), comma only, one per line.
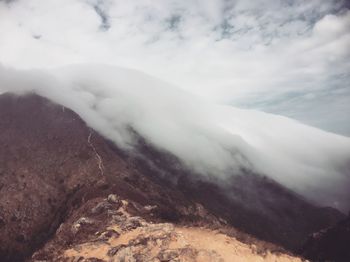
(125,237)
(54,169)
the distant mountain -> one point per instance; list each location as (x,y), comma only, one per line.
(62,185)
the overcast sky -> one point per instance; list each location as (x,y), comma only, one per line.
(286,57)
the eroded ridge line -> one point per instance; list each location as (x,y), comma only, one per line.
(97,155)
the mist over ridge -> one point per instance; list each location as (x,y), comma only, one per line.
(211,139)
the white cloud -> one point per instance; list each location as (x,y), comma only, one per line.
(211,139)
(285,57)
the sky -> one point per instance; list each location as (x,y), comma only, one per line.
(285,57)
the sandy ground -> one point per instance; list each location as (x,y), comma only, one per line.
(210,246)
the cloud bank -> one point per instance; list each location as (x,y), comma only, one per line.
(212,139)
(285,57)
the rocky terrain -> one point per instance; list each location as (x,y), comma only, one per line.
(68,194)
(125,237)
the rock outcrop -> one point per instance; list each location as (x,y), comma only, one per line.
(123,236)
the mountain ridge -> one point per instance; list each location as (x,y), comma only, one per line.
(52,163)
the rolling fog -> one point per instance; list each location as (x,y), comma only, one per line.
(211,139)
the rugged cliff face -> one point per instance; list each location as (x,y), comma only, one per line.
(61,185)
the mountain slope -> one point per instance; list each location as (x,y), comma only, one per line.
(53,164)
(48,165)
(329,244)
